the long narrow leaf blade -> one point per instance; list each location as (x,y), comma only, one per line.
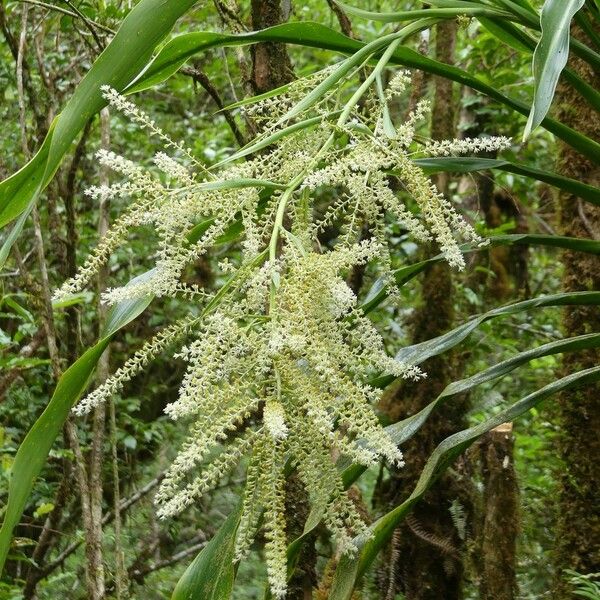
(470,164)
(550,56)
(17,191)
(211,575)
(350,569)
(129,51)
(418,353)
(378,293)
(178,50)
(34,449)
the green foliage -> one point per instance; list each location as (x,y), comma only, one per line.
(212,573)
(584,586)
(32,452)
(550,56)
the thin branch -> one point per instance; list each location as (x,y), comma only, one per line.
(139,574)
(586,222)
(342,17)
(89,24)
(108,518)
(9,375)
(65,11)
(26,77)
(20,84)
(204,81)
(49,535)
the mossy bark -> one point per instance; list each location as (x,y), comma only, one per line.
(505,274)
(271,65)
(297,509)
(578,527)
(501,516)
(424,560)
(271,68)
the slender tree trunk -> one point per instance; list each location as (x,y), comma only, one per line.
(578,527)
(495,522)
(271,68)
(501,515)
(424,559)
(271,65)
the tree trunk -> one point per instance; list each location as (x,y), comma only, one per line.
(578,526)
(501,506)
(271,65)
(424,560)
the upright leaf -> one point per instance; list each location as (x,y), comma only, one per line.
(212,573)
(550,56)
(129,51)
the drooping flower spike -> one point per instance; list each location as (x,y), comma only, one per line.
(280,358)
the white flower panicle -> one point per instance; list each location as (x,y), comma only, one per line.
(466,145)
(279,359)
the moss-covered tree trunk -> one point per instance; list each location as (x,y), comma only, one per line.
(578,527)
(271,65)
(271,68)
(424,559)
(501,515)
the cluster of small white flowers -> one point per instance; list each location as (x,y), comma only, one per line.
(279,360)
(270,109)
(466,146)
(136,115)
(274,420)
(398,84)
(173,169)
(135,364)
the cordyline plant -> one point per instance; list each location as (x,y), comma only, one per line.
(280,357)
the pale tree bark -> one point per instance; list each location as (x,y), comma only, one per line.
(578,528)
(47,537)
(102,373)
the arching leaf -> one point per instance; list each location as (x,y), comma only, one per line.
(350,569)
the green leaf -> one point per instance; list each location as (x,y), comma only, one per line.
(18,191)
(350,569)
(519,40)
(550,56)
(469,164)
(378,293)
(460,8)
(43,509)
(212,573)
(34,449)
(15,232)
(418,353)
(178,50)
(128,52)
(403,430)
(507,33)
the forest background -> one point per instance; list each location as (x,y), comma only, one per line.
(515,516)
